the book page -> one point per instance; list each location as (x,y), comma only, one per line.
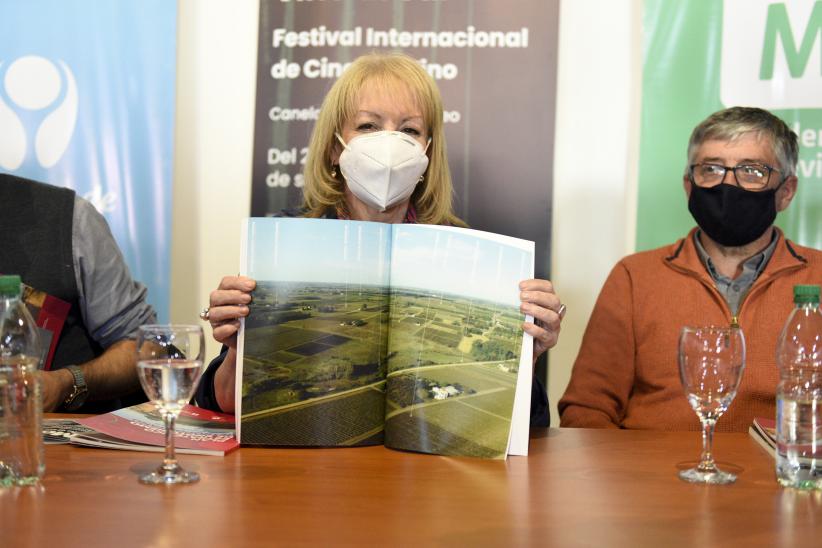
(456,364)
(311,353)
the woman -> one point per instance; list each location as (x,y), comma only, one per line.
(377,153)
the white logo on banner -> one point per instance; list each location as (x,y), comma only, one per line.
(772,54)
(35,83)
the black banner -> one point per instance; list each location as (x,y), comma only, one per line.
(494,62)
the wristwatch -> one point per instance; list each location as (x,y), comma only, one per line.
(79,392)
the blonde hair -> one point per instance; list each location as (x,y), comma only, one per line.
(432,198)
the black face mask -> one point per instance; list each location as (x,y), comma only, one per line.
(732,216)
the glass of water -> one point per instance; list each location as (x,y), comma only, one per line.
(169,365)
(711,361)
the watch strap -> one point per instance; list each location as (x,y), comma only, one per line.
(79,391)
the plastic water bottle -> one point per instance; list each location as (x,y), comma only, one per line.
(799,394)
(21,400)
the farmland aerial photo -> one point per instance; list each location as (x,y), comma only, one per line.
(340,361)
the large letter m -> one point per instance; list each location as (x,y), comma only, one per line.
(778,25)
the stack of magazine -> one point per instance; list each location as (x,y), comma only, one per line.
(140,428)
(763,431)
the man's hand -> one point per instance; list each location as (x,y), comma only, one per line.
(111,375)
(57,386)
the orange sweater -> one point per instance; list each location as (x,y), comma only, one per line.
(626,374)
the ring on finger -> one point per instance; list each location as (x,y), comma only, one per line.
(561,311)
(204,313)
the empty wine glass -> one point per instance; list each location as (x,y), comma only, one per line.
(169,364)
(711,361)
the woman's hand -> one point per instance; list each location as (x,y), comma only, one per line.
(227,304)
(540,301)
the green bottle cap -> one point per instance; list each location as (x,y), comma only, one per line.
(10,285)
(805,294)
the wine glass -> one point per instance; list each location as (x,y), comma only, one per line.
(169,365)
(711,361)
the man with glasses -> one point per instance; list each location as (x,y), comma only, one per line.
(735,268)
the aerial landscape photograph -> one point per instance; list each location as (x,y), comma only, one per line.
(337,358)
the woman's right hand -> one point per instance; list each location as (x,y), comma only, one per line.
(227,304)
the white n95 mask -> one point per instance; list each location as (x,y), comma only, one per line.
(382,168)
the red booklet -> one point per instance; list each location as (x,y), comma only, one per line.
(49,314)
(140,428)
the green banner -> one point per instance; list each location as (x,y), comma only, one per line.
(700,57)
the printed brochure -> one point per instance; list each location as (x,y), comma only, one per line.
(364,333)
(140,428)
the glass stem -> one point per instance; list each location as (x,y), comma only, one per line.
(706,462)
(170,461)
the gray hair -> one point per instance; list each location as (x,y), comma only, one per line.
(732,123)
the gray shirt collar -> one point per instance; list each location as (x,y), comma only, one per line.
(734,289)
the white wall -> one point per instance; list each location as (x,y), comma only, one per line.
(216,78)
(594,171)
(596,161)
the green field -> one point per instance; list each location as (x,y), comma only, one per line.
(349,419)
(305,341)
(314,352)
(427,329)
(435,438)
(453,375)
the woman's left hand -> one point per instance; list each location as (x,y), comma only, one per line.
(540,301)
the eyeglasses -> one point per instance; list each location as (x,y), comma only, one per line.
(753,177)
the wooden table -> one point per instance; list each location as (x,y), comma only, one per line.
(577,488)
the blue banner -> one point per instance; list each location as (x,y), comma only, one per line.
(87,102)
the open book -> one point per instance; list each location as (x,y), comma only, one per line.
(140,428)
(363,333)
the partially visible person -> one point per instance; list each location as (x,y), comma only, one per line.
(386,107)
(60,245)
(734,268)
